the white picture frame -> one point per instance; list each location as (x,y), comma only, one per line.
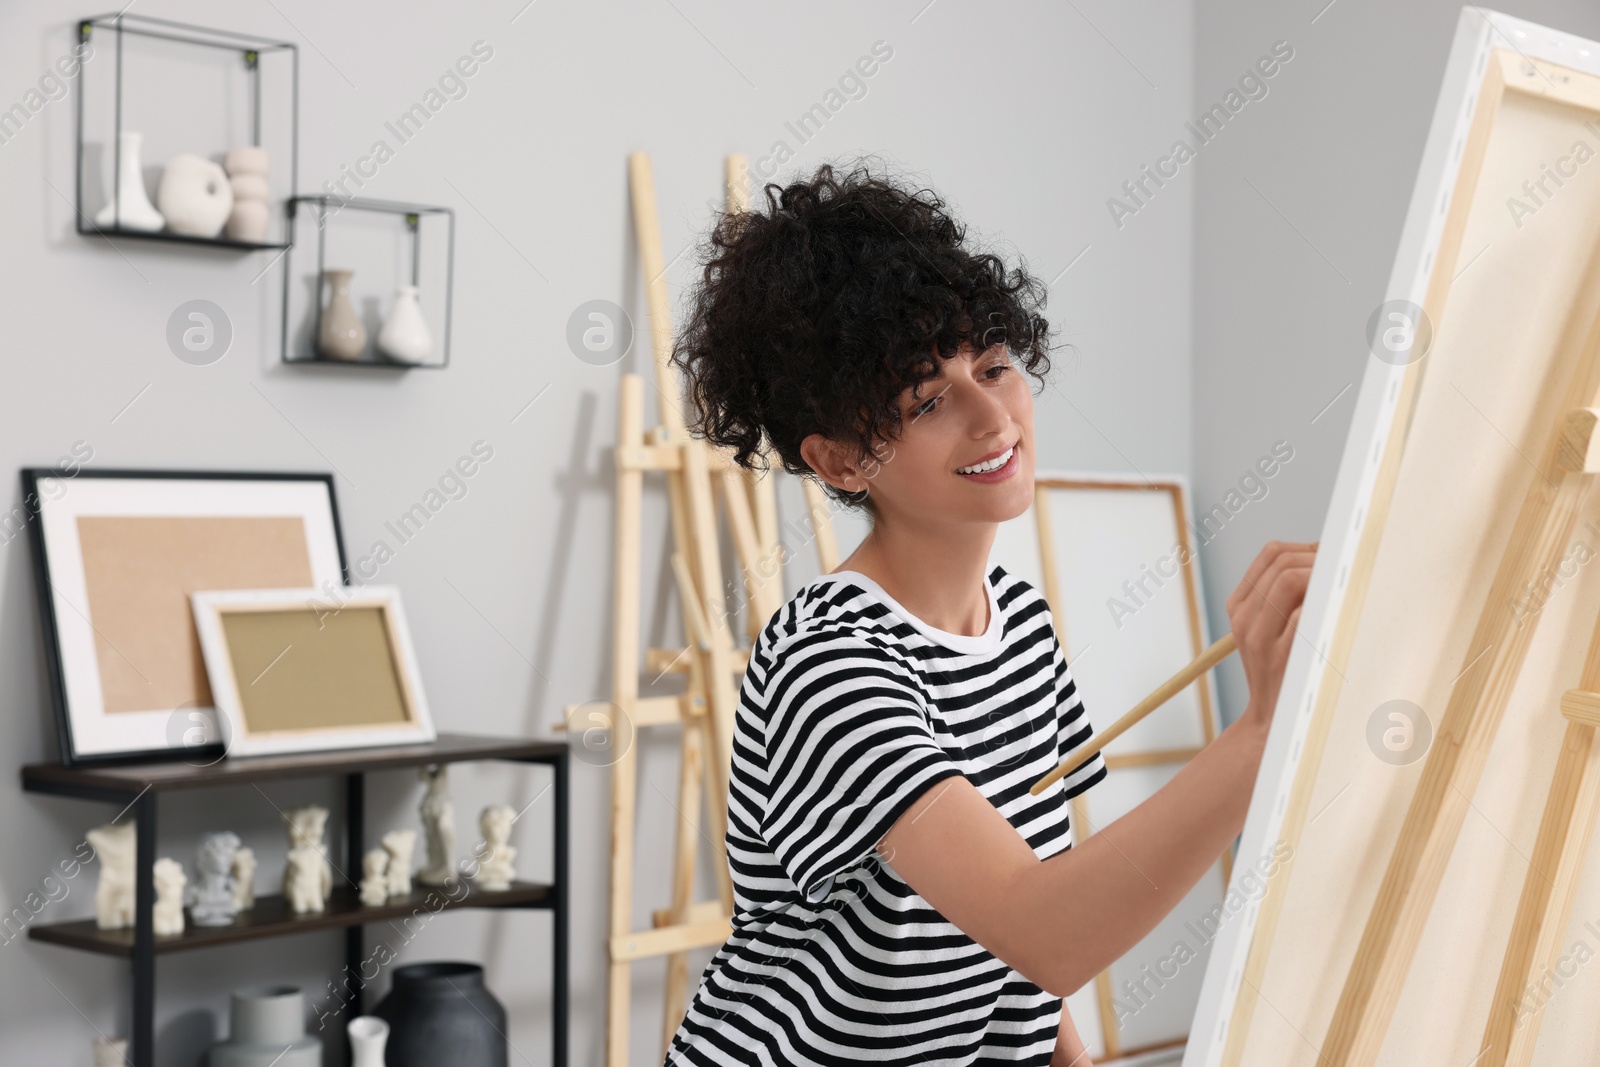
(116,553)
(358,701)
(1104,529)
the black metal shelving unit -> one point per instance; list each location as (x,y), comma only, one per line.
(250,47)
(137,787)
(326,208)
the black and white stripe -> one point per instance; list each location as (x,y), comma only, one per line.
(850,709)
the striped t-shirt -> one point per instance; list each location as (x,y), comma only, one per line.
(851,707)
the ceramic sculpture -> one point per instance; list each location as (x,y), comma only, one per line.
(405,337)
(194,196)
(438,824)
(342,334)
(496,855)
(113,897)
(247,176)
(306,885)
(244,879)
(110,1051)
(374,878)
(267,1028)
(211,900)
(398,844)
(307,874)
(166,917)
(129,207)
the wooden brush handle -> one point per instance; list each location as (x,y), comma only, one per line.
(1218,651)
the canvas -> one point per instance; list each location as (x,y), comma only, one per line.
(1453,437)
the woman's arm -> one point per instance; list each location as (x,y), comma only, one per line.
(1062,920)
(1070,1051)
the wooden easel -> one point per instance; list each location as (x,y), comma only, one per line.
(695,473)
(1547,892)
(1456,760)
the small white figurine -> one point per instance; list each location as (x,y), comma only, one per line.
(167,915)
(495,854)
(113,898)
(398,844)
(244,879)
(375,879)
(211,899)
(307,874)
(438,822)
(110,1051)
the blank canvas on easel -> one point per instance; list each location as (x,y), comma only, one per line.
(1442,449)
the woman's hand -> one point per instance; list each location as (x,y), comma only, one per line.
(1264,612)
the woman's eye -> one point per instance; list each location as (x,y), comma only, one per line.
(1000,367)
(925,407)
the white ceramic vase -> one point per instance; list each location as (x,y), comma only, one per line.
(266,1028)
(404,336)
(129,207)
(368,1035)
(194,196)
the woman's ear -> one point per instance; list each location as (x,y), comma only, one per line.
(826,459)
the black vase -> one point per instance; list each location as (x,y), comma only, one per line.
(439,1014)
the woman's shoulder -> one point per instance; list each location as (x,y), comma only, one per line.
(832,614)
(829,604)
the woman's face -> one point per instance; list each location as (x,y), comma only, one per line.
(977,413)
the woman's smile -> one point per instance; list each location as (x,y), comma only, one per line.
(1007,468)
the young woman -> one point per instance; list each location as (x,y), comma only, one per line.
(901,896)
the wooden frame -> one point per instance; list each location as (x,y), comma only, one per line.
(96,718)
(345,661)
(1363,878)
(1158,746)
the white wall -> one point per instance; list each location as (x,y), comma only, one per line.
(1027,116)
(1299,209)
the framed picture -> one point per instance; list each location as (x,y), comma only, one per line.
(295,670)
(116,555)
(1115,558)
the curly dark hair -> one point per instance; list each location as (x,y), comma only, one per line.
(815,315)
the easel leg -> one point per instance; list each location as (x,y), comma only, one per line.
(691,774)
(1547,891)
(625,686)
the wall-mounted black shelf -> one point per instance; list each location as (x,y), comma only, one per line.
(251,50)
(182,238)
(302,325)
(136,787)
(271,917)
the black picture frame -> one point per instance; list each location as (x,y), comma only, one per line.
(55,665)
